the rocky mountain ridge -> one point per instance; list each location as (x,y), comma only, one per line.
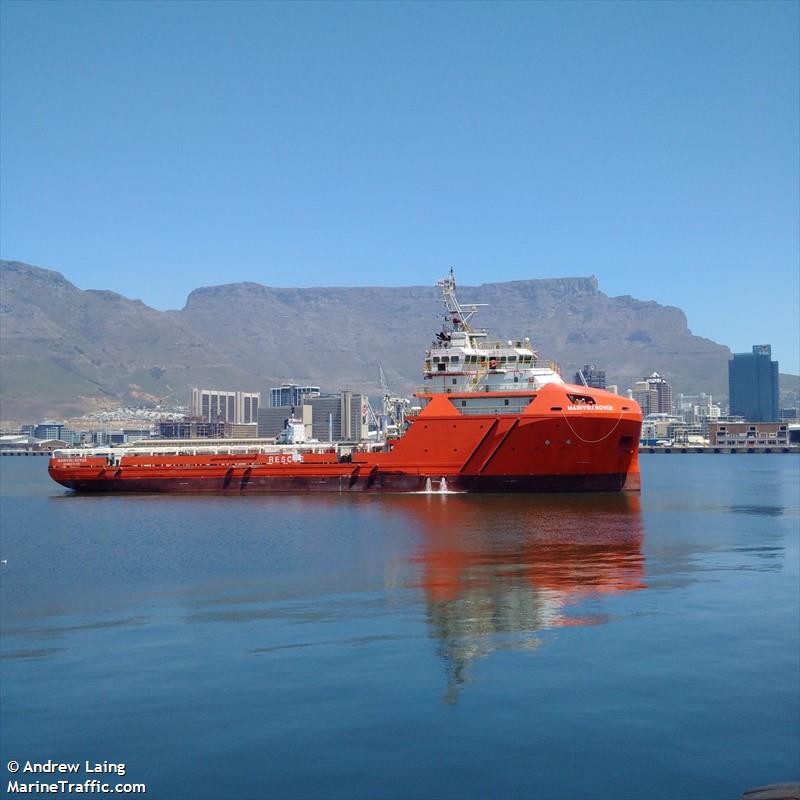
(64,350)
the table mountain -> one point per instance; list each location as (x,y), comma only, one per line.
(65,350)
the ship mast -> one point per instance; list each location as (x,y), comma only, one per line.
(457,316)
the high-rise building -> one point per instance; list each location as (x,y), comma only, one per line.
(217,405)
(271,420)
(654,395)
(290,394)
(337,416)
(592,376)
(645,396)
(753,384)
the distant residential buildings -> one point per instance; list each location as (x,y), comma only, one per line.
(290,394)
(697,408)
(136,415)
(218,405)
(590,375)
(753,384)
(36,436)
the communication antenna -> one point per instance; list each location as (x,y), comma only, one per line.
(457,315)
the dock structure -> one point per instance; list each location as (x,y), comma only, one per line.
(680,448)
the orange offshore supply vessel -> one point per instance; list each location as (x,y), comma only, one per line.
(492,419)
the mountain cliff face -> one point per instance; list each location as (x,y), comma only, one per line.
(64,351)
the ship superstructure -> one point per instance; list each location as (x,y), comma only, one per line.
(463,359)
(492,419)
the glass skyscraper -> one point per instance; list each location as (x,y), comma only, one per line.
(753,385)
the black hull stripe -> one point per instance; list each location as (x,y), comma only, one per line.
(612,482)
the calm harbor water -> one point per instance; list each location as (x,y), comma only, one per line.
(571,646)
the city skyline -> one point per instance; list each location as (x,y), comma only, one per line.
(652,145)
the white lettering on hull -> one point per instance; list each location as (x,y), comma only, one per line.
(290,458)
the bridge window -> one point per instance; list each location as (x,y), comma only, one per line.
(514,404)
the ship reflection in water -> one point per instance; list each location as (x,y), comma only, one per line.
(496,570)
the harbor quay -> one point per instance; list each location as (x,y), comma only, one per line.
(728,450)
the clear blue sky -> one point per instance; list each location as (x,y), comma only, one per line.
(151,148)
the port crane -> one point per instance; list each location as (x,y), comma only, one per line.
(394,408)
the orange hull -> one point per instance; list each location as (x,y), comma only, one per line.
(551,445)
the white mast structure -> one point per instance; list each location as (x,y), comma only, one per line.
(457,315)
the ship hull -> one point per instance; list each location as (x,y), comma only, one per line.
(552,446)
